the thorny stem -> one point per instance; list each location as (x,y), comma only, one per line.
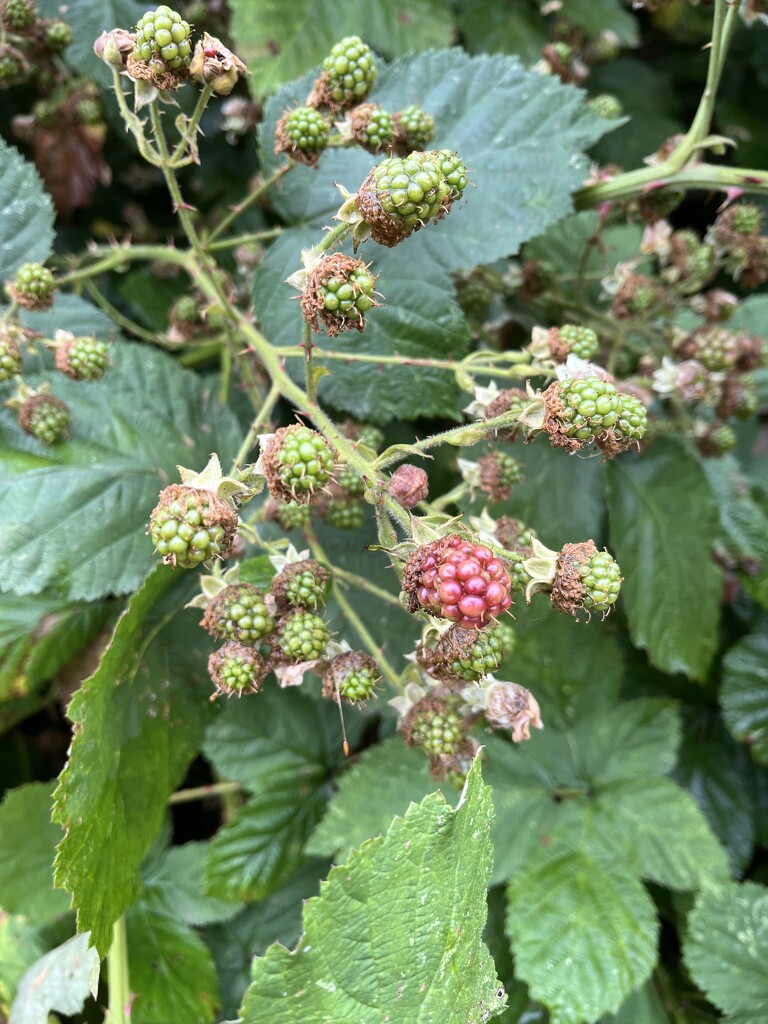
(252,236)
(119,318)
(188,796)
(251,198)
(133,124)
(190,131)
(332,237)
(310,381)
(454,435)
(478,367)
(117,976)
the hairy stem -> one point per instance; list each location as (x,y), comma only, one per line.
(249,200)
(188,796)
(117,976)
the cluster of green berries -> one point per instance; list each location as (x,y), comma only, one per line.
(498,473)
(300,636)
(585,579)
(44,417)
(633,418)
(304,584)
(82,358)
(372,127)
(302,132)
(436,727)
(349,72)
(33,286)
(746,219)
(239,612)
(714,347)
(12,66)
(343,512)
(580,410)
(414,129)
(607,106)
(483,657)
(163,34)
(339,291)
(601,579)
(293,516)
(10,357)
(191,525)
(298,462)
(237,669)
(18,15)
(58,36)
(351,676)
(582,341)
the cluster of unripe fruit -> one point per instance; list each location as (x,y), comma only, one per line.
(27,41)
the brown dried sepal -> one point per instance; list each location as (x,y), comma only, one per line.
(489,472)
(29,301)
(280,583)
(30,405)
(554,420)
(409,485)
(623,306)
(248,654)
(438,658)
(505,401)
(213,613)
(412,574)
(284,144)
(62,357)
(384,229)
(753,352)
(340,667)
(454,766)
(218,512)
(320,97)
(270,465)
(358,119)
(313,302)
(508,533)
(215,65)
(156,72)
(509,706)
(568,590)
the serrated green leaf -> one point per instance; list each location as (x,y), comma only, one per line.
(742,506)
(61,980)
(28,841)
(138,722)
(282,747)
(106,477)
(170,969)
(744,693)
(26,213)
(396,931)
(583,931)
(277,46)
(663,525)
(726,950)
(174,887)
(383,783)
(89,18)
(258,571)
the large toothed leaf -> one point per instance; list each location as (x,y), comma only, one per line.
(75,513)
(26,214)
(138,722)
(744,694)
(663,527)
(396,931)
(726,950)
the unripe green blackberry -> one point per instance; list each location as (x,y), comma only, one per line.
(498,472)
(585,579)
(185,310)
(10,357)
(298,462)
(45,418)
(434,725)
(482,658)
(607,106)
(716,348)
(579,409)
(454,172)
(13,68)
(82,358)
(89,111)
(191,525)
(582,341)
(738,398)
(414,129)
(475,299)
(371,437)
(33,286)
(343,512)
(237,669)
(58,36)
(339,291)
(371,126)
(239,612)
(399,196)
(507,637)
(720,440)
(162,33)
(562,51)
(19,15)
(349,480)
(293,516)
(349,72)
(303,133)
(304,584)
(633,418)
(746,219)
(46,113)
(352,676)
(300,636)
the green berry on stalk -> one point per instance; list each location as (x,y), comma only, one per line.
(339,291)
(371,127)
(349,72)
(454,172)
(578,410)
(507,637)
(163,34)
(237,669)
(352,676)
(585,578)
(582,341)
(498,473)
(239,612)
(436,726)
(305,584)
(480,659)
(300,636)
(371,437)
(191,525)
(400,195)
(33,286)
(58,36)
(414,129)
(632,419)
(10,357)
(720,440)
(13,67)
(18,15)
(303,132)
(349,480)
(606,106)
(45,418)
(82,358)
(601,578)
(746,219)
(343,512)
(293,516)
(298,462)
(45,113)
(716,348)
(89,111)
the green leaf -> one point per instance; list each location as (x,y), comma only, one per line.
(726,950)
(643,1007)
(744,693)
(663,525)
(28,841)
(138,722)
(396,931)
(596,16)
(61,980)
(282,746)
(583,931)
(170,968)
(89,18)
(384,782)
(20,947)
(277,46)
(743,508)
(78,521)
(174,887)
(489,27)
(70,313)
(26,213)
